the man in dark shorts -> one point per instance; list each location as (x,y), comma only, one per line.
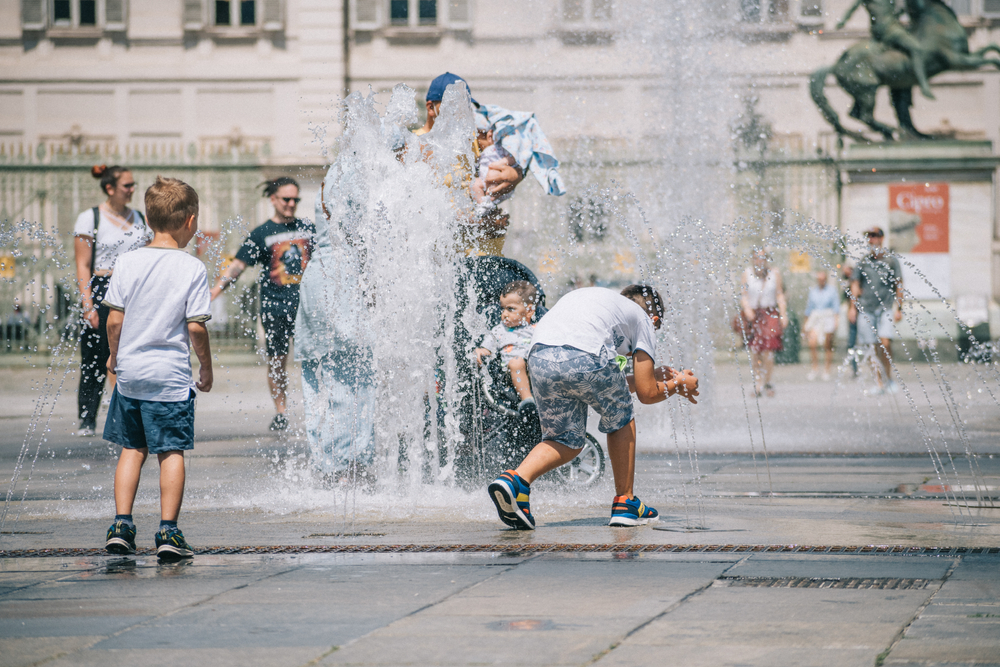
(282,246)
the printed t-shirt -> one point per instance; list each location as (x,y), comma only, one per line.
(593,319)
(112,239)
(160,290)
(878,278)
(283,251)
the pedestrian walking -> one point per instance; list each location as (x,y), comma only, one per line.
(877,304)
(762,298)
(282,246)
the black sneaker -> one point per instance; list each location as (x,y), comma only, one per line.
(171,545)
(279,423)
(121,539)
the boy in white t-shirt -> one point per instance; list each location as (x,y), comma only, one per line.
(577,359)
(159,303)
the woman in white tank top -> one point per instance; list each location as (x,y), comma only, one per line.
(762,298)
(101,235)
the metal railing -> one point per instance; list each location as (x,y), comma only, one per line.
(45,186)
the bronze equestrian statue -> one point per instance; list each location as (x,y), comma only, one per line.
(935,37)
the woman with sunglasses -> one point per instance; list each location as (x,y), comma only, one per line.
(282,246)
(117,229)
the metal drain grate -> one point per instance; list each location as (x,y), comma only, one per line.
(532,549)
(808,582)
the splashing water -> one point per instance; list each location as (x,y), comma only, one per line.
(391,218)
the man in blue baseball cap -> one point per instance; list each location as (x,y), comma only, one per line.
(507,177)
(435,93)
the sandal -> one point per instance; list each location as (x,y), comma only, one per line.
(770,390)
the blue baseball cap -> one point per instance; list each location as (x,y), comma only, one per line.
(435,93)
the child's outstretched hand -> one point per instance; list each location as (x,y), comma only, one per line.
(481,353)
(686,384)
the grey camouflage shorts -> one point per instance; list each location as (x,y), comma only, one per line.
(564,381)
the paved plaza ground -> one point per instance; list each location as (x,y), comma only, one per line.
(758,560)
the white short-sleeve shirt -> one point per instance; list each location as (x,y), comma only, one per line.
(160,290)
(112,239)
(595,318)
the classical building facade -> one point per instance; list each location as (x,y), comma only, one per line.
(637,96)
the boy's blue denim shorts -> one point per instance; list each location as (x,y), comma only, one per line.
(160,427)
(564,381)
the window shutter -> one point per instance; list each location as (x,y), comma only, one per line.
(33,14)
(114,14)
(365,15)
(459,14)
(194,14)
(271,14)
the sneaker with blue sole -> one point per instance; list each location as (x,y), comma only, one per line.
(631,512)
(121,539)
(510,495)
(171,545)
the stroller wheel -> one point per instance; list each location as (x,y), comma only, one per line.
(585,469)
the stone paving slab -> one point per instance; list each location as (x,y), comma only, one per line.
(459,609)
(844,470)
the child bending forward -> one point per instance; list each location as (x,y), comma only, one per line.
(513,336)
(576,360)
(159,304)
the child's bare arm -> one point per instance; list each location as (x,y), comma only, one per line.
(115,319)
(481,353)
(199,341)
(648,389)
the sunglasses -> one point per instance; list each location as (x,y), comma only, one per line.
(874,236)
(289,200)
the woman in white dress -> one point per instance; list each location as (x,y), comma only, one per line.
(117,229)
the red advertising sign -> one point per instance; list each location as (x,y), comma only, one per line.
(918,217)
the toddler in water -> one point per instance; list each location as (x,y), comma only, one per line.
(513,336)
(490,152)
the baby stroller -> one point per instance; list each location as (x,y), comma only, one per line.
(497,436)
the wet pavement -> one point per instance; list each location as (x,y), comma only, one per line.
(502,608)
(842,470)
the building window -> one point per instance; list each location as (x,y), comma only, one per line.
(241,13)
(83,15)
(585,13)
(399,12)
(765,11)
(413,12)
(811,9)
(376,14)
(237,15)
(428,12)
(586,22)
(248,13)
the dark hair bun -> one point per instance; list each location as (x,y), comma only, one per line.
(98,170)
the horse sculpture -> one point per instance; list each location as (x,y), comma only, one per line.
(864,67)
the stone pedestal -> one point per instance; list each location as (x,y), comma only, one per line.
(936,202)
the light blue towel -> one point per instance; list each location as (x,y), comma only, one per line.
(521,136)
